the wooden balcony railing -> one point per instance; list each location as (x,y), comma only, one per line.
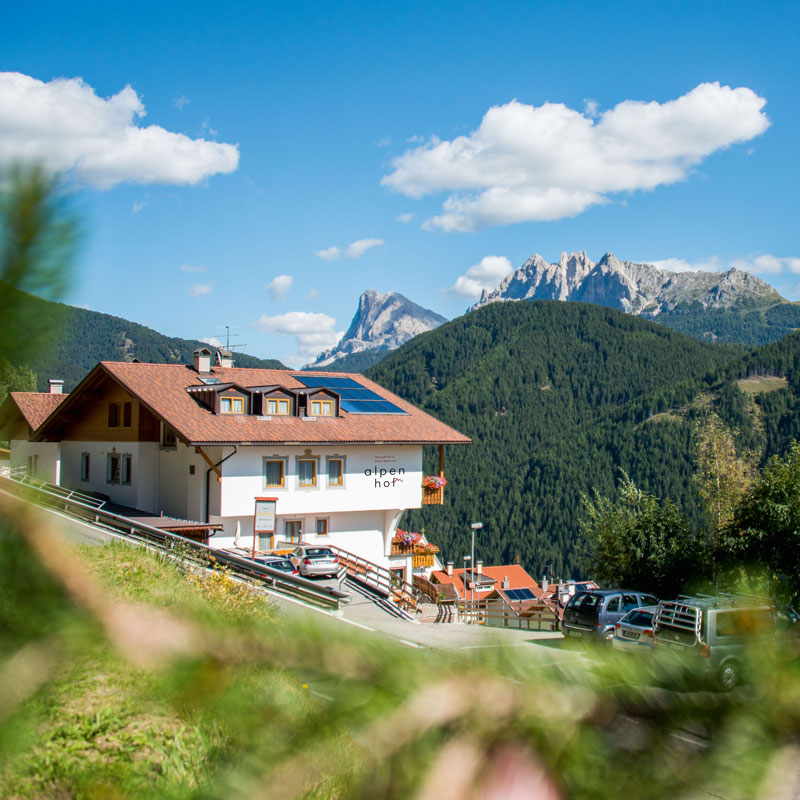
(413,549)
(432,497)
(423,560)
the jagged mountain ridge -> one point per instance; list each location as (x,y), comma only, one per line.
(640,289)
(382,322)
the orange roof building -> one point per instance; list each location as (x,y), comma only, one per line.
(338,456)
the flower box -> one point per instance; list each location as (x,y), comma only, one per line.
(432,497)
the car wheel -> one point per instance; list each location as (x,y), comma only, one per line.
(728,676)
(607,636)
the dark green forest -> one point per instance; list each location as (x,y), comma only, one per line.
(559,399)
(77,339)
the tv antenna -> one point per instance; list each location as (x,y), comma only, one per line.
(228,335)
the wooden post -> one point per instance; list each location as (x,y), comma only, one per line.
(441,461)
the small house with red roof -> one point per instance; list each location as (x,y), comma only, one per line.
(339,455)
(462,584)
(20,415)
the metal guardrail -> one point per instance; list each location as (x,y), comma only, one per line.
(68,494)
(179,546)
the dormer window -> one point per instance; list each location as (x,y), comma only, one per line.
(278,407)
(322,408)
(231,405)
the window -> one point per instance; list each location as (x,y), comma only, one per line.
(322,408)
(293,530)
(322,527)
(170,438)
(613,605)
(274,472)
(279,407)
(114,468)
(335,472)
(306,472)
(127,413)
(231,405)
(126,469)
(629,602)
(113,415)
(85,467)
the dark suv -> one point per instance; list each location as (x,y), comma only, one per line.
(594,614)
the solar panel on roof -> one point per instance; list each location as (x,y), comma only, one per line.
(520,594)
(355,398)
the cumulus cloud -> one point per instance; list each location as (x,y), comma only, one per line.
(353,250)
(405,218)
(329,254)
(199,289)
(181,102)
(359,247)
(759,263)
(190,268)
(212,340)
(486,274)
(313,332)
(279,287)
(528,163)
(66,126)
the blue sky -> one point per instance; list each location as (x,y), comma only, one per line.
(313,126)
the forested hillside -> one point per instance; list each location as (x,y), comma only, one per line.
(558,398)
(78,339)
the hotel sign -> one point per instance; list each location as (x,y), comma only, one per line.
(265,515)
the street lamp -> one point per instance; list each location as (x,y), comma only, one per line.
(475,526)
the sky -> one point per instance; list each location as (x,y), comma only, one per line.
(260,165)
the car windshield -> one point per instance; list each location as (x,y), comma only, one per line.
(641,618)
(318,551)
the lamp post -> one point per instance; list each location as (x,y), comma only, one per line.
(475,526)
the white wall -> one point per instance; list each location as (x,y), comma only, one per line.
(376,477)
(49,462)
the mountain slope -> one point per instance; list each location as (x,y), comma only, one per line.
(727,306)
(382,322)
(558,397)
(80,338)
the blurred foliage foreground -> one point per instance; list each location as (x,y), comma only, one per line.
(124,675)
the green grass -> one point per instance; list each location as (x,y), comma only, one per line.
(762,385)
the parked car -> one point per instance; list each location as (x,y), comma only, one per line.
(593,614)
(716,631)
(281,563)
(634,632)
(313,560)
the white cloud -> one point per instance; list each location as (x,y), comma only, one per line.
(65,125)
(759,263)
(405,218)
(189,268)
(527,163)
(137,207)
(353,250)
(767,264)
(279,287)
(199,289)
(384,142)
(329,254)
(212,340)
(313,332)
(181,102)
(359,247)
(311,294)
(486,274)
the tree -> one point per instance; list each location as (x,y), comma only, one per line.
(765,531)
(637,541)
(723,476)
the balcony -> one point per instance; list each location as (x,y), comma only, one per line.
(433,489)
(406,543)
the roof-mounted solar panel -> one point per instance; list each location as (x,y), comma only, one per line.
(354,398)
(520,594)
(210,381)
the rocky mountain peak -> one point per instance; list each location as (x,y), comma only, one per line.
(382,322)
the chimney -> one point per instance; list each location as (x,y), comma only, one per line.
(479,567)
(506,582)
(202,360)
(544,583)
(56,386)
(450,568)
(224,359)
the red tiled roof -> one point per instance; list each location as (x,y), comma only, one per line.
(517,579)
(162,387)
(36,407)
